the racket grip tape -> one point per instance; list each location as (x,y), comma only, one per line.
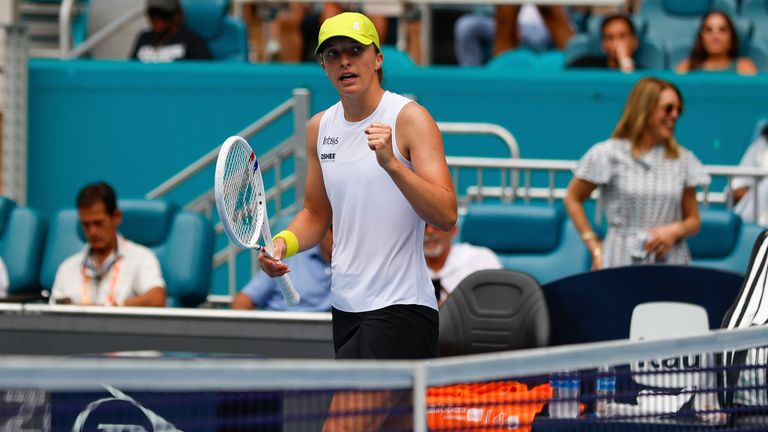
(290,294)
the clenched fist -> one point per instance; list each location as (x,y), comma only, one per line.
(380,141)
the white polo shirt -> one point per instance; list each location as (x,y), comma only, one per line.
(463,260)
(129,271)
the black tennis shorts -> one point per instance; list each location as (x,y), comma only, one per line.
(393,332)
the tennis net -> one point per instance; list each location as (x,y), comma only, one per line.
(660,385)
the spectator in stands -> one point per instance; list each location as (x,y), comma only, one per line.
(508,29)
(110,270)
(717,48)
(476,33)
(450,263)
(310,273)
(619,43)
(756,156)
(647,182)
(168,40)
(473,33)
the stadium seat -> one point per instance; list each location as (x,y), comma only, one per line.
(520,59)
(758,52)
(723,242)
(182,241)
(22,233)
(396,58)
(658,320)
(670,21)
(226,36)
(757,11)
(525,59)
(494,310)
(538,240)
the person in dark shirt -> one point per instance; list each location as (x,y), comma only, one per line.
(168,40)
(619,43)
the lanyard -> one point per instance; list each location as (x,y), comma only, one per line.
(85,296)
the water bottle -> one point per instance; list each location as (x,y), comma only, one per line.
(565,394)
(605,389)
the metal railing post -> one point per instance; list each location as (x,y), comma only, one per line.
(420,398)
(65,27)
(14,176)
(300,117)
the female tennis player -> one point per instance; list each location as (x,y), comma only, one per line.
(376,169)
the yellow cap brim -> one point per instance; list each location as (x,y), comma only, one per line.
(359,38)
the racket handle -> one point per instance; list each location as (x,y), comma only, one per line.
(290,294)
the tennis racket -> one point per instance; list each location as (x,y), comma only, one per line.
(242,203)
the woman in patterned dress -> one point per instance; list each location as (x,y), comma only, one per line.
(647,182)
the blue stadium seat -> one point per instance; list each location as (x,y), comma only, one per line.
(182,241)
(226,36)
(670,21)
(757,11)
(520,59)
(538,240)
(724,241)
(526,59)
(758,52)
(22,233)
(396,58)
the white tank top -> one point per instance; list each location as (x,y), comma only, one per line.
(378,239)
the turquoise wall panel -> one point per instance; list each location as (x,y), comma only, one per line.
(135,125)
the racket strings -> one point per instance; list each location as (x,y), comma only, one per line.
(242,199)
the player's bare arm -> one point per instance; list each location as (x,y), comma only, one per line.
(428,188)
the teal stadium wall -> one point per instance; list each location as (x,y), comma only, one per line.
(135,125)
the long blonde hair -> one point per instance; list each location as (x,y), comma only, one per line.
(641,105)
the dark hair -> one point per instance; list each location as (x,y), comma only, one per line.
(97,192)
(699,54)
(617,17)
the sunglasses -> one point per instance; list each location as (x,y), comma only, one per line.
(668,108)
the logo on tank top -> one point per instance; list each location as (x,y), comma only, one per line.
(327,157)
(330,141)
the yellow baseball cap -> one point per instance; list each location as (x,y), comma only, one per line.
(348,24)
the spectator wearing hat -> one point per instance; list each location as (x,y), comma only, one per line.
(168,40)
